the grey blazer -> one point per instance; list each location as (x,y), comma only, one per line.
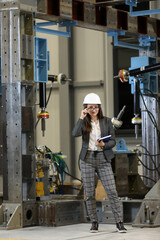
(106,129)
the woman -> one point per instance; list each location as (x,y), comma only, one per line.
(95,157)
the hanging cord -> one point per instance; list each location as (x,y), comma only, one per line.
(59,166)
(150,157)
(49,95)
(152,94)
(148,178)
(153,155)
(150,169)
(70,174)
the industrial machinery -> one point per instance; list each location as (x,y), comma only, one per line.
(24,63)
(148,214)
(136,73)
(43,114)
(117,123)
(50,172)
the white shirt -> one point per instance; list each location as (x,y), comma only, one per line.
(94,135)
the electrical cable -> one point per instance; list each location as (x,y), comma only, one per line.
(70,174)
(139,90)
(147,178)
(151,116)
(150,169)
(149,113)
(150,157)
(78,189)
(153,155)
(61,168)
(148,90)
(49,95)
(155,123)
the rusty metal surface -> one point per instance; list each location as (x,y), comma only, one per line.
(91,15)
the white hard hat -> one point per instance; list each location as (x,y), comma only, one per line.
(92,98)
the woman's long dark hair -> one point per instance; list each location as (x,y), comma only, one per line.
(87,120)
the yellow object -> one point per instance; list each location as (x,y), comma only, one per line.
(39,189)
(100,192)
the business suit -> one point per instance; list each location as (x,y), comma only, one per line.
(99,162)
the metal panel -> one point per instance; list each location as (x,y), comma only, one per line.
(66,8)
(15,117)
(42,6)
(121,171)
(26,25)
(9,5)
(130,209)
(89,13)
(28,5)
(128,181)
(132,24)
(150,139)
(148,215)
(105,16)
(111,18)
(10,46)
(27,47)
(107,214)
(27,119)
(151,27)
(10,216)
(11,134)
(60,213)
(30,214)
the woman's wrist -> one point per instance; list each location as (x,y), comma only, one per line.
(102,147)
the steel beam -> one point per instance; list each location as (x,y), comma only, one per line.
(17,115)
(95,15)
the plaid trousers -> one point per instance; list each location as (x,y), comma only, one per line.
(96,162)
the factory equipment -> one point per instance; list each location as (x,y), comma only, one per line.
(50,172)
(136,73)
(148,215)
(20,71)
(116,121)
(42,65)
(43,114)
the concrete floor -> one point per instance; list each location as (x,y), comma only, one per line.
(80,232)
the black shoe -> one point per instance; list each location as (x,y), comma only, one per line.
(121,228)
(94,227)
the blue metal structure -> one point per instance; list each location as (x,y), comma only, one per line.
(41,56)
(40,60)
(133,3)
(39,27)
(121,147)
(148,81)
(115,34)
(145,41)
